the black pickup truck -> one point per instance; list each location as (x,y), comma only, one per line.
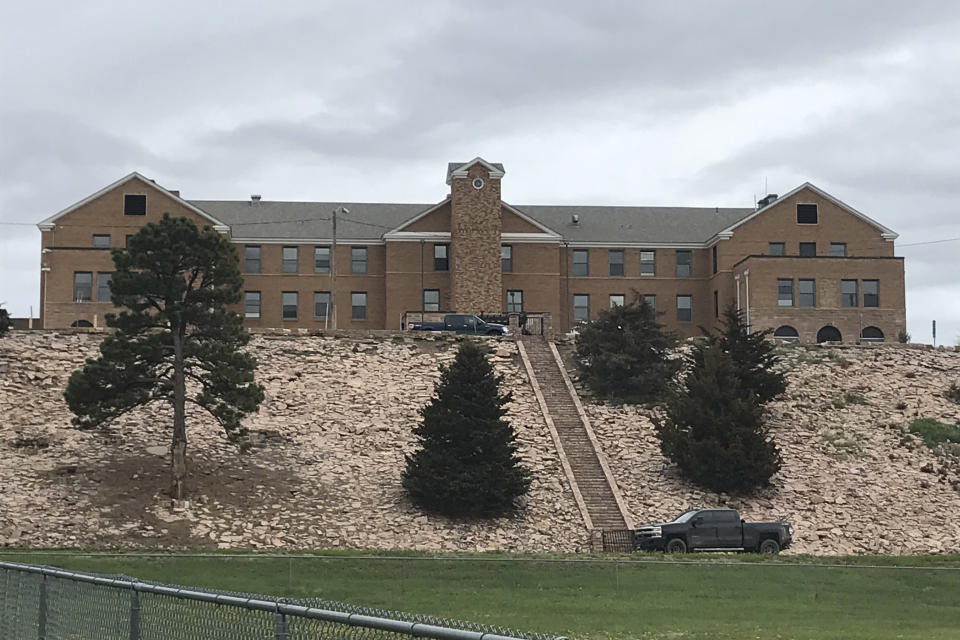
(714,530)
(462,323)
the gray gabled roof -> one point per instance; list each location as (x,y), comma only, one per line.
(308,220)
(453,166)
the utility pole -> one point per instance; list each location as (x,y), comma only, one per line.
(333,268)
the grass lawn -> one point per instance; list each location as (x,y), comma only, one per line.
(699,596)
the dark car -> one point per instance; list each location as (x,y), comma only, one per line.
(462,323)
(713,530)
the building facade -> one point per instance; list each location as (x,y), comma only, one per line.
(805,265)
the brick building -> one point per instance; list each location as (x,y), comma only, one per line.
(805,264)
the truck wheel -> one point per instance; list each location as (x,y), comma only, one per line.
(770,546)
(676,545)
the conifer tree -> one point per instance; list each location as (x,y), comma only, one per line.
(4,322)
(714,431)
(467,462)
(175,281)
(753,356)
(622,356)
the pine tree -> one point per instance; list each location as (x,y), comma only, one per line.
(714,431)
(622,356)
(175,281)
(753,356)
(467,462)
(4,322)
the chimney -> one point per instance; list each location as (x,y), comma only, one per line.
(767,200)
(255,199)
(575,219)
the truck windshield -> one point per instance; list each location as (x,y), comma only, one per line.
(684,517)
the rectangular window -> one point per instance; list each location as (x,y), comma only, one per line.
(321,304)
(648,263)
(806,214)
(838,249)
(716,304)
(615,258)
(358,260)
(684,259)
(290,303)
(321,259)
(715,262)
(82,286)
(806,293)
(650,299)
(251,304)
(685,308)
(126,240)
(101,241)
(848,293)
(580,262)
(616,300)
(291,256)
(103,286)
(506,258)
(441,257)
(251,259)
(358,305)
(808,249)
(431,300)
(871,293)
(514,301)
(784,292)
(776,249)
(134,204)
(581,307)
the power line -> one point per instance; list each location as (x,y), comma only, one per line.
(917,244)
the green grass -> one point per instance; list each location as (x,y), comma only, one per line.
(649,596)
(935,432)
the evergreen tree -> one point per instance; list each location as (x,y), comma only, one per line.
(714,431)
(467,462)
(175,281)
(753,356)
(4,322)
(622,356)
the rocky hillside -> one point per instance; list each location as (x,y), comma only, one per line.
(329,444)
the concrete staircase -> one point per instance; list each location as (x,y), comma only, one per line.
(593,484)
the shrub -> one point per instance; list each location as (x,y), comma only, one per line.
(4,322)
(623,355)
(953,392)
(935,432)
(903,336)
(467,463)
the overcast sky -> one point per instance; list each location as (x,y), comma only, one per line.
(643,103)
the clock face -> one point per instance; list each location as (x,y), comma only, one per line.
(478,183)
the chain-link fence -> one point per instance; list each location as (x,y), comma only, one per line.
(53,604)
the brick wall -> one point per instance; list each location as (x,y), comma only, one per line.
(475,243)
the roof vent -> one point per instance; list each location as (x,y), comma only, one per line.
(575,219)
(767,200)
(255,199)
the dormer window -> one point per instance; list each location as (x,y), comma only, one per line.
(134,204)
(806,214)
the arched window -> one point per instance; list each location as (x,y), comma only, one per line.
(786,332)
(81,323)
(829,334)
(871,334)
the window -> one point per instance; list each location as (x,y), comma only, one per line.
(506,258)
(650,299)
(514,301)
(848,293)
(616,300)
(358,260)
(126,240)
(716,303)
(251,304)
(251,259)
(321,259)
(291,256)
(321,304)
(648,263)
(776,249)
(806,214)
(683,264)
(871,334)
(580,264)
(441,257)
(806,293)
(431,300)
(289,303)
(82,286)
(684,308)
(101,241)
(871,293)
(615,258)
(103,286)
(786,333)
(838,249)
(134,205)
(808,249)
(715,263)
(358,305)
(581,307)
(784,292)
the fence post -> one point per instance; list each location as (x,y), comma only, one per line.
(134,612)
(281,625)
(42,609)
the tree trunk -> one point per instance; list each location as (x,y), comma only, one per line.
(179,449)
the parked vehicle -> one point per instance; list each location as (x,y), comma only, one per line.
(713,530)
(462,323)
